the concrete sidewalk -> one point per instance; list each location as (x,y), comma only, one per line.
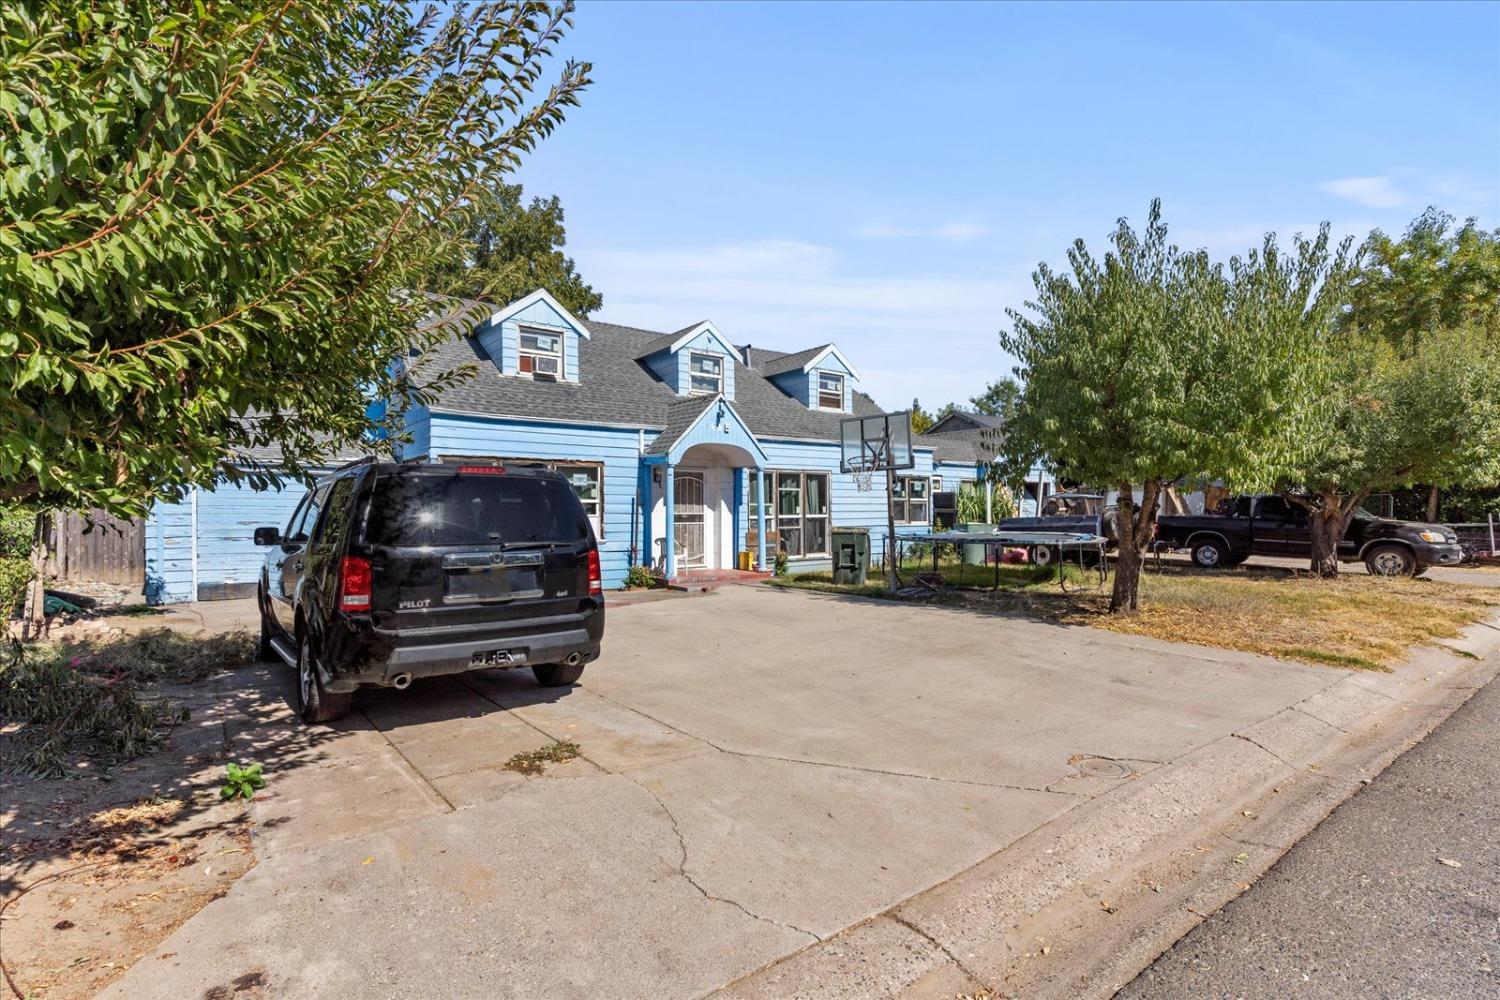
(779,794)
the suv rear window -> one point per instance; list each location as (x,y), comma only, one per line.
(474,509)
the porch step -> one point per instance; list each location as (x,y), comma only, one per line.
(702,581)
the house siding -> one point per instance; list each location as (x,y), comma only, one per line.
(618,449)
(224,526)
(503,341)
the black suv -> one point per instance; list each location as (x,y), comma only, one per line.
(389,571)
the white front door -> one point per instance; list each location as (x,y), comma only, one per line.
(688,521)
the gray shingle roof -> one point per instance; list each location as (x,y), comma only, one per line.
(680,416)
(792,362)
(966,420)
(616,388)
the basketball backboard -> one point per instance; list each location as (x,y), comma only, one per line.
(876,443)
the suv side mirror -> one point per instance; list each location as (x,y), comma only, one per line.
(267,536)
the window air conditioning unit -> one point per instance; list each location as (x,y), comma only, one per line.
(546,367)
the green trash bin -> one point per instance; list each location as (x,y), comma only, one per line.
(851,555)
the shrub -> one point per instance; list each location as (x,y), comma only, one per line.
(639,578)
(779,563)
(16,529)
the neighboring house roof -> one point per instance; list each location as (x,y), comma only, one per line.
(965,420)
(615,388)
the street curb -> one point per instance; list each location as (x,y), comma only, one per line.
(1081,905)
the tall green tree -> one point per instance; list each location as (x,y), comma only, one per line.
(921,420)
(1155,365)
(213,218)
(511,249)
(1438,282)
(999,397)
(1427,411)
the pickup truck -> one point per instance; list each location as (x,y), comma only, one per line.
(1271,525)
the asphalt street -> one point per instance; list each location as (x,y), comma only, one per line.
(1396,894)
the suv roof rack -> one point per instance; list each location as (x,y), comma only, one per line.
(362,460)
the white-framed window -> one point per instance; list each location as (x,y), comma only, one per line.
(830,391)
(587,480)
(541,353)
(937,484)
(705,372)
(797,516)
(909,498)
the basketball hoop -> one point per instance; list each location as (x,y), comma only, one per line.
(863,474)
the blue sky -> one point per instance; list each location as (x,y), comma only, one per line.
(887,176)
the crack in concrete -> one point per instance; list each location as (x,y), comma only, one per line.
(407,761)
(1273,753)
(843,767)
(919,932)
(1298,708)
(683,872)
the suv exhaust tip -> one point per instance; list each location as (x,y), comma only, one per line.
(575,659)
(401,682)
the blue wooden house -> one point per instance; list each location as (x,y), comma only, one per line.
(685,448)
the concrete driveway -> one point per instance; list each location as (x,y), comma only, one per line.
(759,771)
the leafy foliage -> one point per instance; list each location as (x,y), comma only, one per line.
(241,782)
(211,217)
(999,397)
(638,577)
(1412,396)
(1155,364)
(17,526)
(511,250)
(921,420)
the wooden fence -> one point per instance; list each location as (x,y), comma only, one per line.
(114,551)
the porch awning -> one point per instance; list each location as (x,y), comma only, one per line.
(709,419)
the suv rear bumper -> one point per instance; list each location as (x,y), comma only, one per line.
(382,656)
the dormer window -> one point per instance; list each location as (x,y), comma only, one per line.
(541,353)
(830,391)
(707,373)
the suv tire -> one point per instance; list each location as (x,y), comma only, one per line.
(551,675)
(264,651)
(1390,560)
(315,705)
(1211,554)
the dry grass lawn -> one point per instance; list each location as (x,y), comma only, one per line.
(1355,621)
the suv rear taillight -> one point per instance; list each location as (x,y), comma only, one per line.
(354,584)
(596,579)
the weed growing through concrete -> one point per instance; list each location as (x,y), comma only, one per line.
(241,782)
(536,761)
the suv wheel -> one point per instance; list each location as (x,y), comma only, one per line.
(1390,560)
(551,675)
(264,651)
(313,703)
(1211,555)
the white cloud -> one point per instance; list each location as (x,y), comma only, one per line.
(955,231)
(933,336)
(1372,192)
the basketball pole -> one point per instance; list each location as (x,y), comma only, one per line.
(891,579)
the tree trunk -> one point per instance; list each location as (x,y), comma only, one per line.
(1432,506)
(34,620)
(1327,524)
(1137,526)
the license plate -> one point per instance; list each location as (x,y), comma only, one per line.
(497,658)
